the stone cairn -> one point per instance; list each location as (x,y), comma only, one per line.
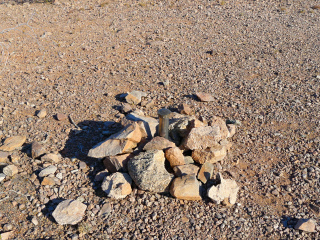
(180,161)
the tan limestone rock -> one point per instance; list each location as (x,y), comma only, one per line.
(111,147)
(174,156)
(51,157)
(205,97)
(184,109)
(212,155)
(306,225)
(206,172)
(149,124)
(130,132)
(69,212)
(117,185)
(48,181)
(202,137)
(158,143)
(188,169)
(186,187)
(13,143)
(218,121)
(42,113)
(10,170)
(3,157)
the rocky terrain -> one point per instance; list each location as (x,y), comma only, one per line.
(64,67)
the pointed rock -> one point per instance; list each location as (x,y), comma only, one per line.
(130,132)
(37,150)
(148,171)
(218,121)
(186,187)
(149,124)
(307,225)
(111,147)
(13,143)
(206,172)
(117,185)
(226,189)
(134,97)
(10,170)
(184,109)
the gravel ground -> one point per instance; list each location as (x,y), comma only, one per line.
(259,59)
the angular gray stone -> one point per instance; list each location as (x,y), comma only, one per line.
(47,171)
(2,177)
(206,172)
(227,189)
(148,171)
(158,143)
(69,212)
(117,185)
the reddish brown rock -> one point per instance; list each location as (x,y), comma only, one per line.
(3,156)
(188,169)
(174,156)
(37,150)
(158,143)
(184,109)
(61,117)
(205,97)
(48,181)
(13,143)
(117,163)
(186,187)
(212,155)
(202,137)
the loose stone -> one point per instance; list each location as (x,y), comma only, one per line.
(69,212)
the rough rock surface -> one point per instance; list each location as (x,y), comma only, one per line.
(158,143)
(101,175)
(206,172)
(307,225)
(10,170)
(150,124)
(51,157)
(186,187)
(13,143)
(174,156)
(111,147)
(69,212)
(3,156)
(184,109)
(37,149)
(205,97)
(134,97)
(212,155)
(202,137)
(188,169)
(117,185)
(148,171)
(117,163)
(47,171)
(226,189)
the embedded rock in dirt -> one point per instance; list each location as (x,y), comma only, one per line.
(13,143)
(148,171)
(10,170)
(226,189)
(149,124)
(51,157)
(42,113)
(117,185)
(134,97)
(307,225)
(206,172)
(202,137)
(174,156)
(69,212)
(3,156)
(205,97)
(47,171)
(158,143)
(61,117)
(117,163)
(184,109)
(48,181)
(188,169)
(37,149)
(186,187)
(212,155)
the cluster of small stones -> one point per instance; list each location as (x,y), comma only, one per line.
(183,165)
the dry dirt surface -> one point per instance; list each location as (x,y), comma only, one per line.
(259,59)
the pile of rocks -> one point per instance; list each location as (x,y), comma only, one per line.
(182,165)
